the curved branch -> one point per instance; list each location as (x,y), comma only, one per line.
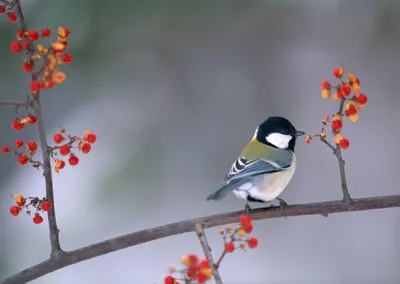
(148,235)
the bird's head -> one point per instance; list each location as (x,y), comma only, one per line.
(278,132)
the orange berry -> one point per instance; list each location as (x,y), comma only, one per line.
(86,148)
(362,99)
(326,93)
(229,247)
(18,198)
(337,125)
(337,138)
(169,280)
(337,117)
(17,125)
(185,261)
(353,118)
(12,17)
(73,160)
(91,138)
(65,150)
(253,242)
(35,86)
(19,143)
(5,149)
(37,219)
(14,210)
(45,205)
(355,87)
(207,272)
(46,32)
(241,232)
(58,77)
(33,35)
(338,72)
(15,47)
(32,146)
(23,159)
(344,143)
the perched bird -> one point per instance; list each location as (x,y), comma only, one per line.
(265,166)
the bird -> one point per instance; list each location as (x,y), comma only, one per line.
(265,166)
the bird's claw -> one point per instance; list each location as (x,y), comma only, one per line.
(247,208)
(282,205)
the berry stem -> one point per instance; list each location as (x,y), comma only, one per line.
(207,252)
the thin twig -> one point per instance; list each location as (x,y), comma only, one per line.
(15,103)
(207,252)
(218,263)
(148,235)
(56,250)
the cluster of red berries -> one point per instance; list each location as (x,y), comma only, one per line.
(40,205)
(55,54)
(23,155)
(351,102)
(199,271)
(68,143)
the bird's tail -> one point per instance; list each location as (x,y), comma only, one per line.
(227,188)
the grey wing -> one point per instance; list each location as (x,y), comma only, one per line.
(278,162)
(236,167)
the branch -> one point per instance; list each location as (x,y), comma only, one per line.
(56,250)
(15,103)
(207,252)
(148,235)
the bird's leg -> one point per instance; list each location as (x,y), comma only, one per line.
(247,208)
(282,205)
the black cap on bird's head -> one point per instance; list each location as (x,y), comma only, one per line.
(278,132)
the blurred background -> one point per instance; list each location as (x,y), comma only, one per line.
(174,90)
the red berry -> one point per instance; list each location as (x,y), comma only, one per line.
(73,160)
(65,150)
(91,138)
(47,84)
(193,259)
(248,229)
(362,99)
(169,280)
(33,35)
(86,148)
(344,143)
(12,17)
(229,247)
(67,32)
(37,219)
(32,146)
(26,67)
(20,34)
(19,143)
(339,94)
(17,125)
(14,210)
(5,149)
(2,9)
(325,85)
(45,205)
(253,242)
(15,47)
(32,119)
(35,86)
(201,278)
(46,32)
(245,220)
(337,124)
(204,263)
(67,58)
(345,89)
(337,72)
(352,110)
(23,159)
(21,203)
(191,272)
(58,138)
(25,43)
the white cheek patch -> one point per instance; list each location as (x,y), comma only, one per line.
(279,140)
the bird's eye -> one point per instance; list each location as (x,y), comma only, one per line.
(284,131)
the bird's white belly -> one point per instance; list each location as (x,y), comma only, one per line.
(267,187)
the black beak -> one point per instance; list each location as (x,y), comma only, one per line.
(299,133)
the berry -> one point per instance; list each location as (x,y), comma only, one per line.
(191,272)
(253,242)
(17,125)
(351,110)
(20,34)
(241,232)
(353,118)
(337,138)
(229,247)
(32,119)
(308,139)
(169,280)
(33,35)
(338,72)
(201,278)
(32,146)
(345,89)
(193,259)
(23,159)
(58,138)
(45,205)
(35,86)
(337,125)
(248,229)
(86,148)
(204,263)
(73,160)
(46,32)
(22,203)
(15,47)
(339,94)
(325,85)
(25,43)
(26,67)
(91,138)
(18,198)
(61,164)
(5,149)
(37,219)
(2,9)
(362,99)
(344,143)
(47,84)
(14,210)
(245,220)
(67,58)
(65,150)
(12,17)
(19,143)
